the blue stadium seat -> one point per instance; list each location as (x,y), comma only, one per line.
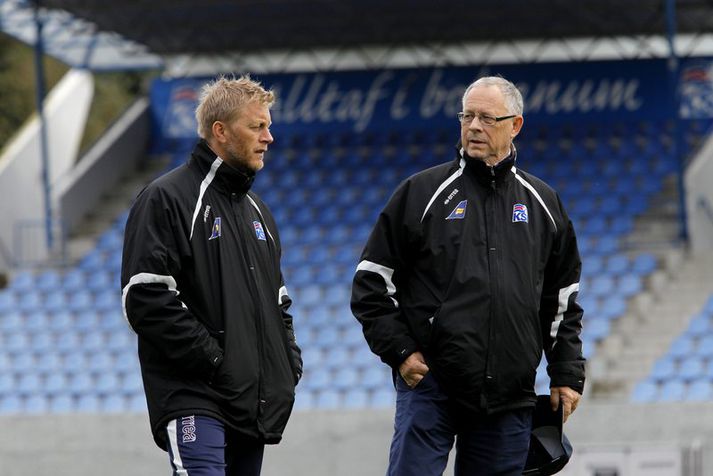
(699,326)
(628,285)
(681,347)
(113,403)
(691,368)
(67,341)
(137,404)
(328,399)
(73,280)
(11,404)
(10,321)
(345,378)
(22,282)
(80,301)
(316,379)
(61,321)
(617,264)
(699,391)
(663,370)
(612,307)
(101,281)
(704,347)
(376,377)
(312,357)
(8,301)
(131,383)
(55,384)
(62,403)
(29,302)
(42,342)
(49,362)
(88,403)
(80,384)
(672,391)
(100,361)
(382,398)
(304,400)
(16,342)
(602,286)
(8,385)
(28,384)
(48,281)
(356,398)
(107,383)
(37,321)
(645,392)
(337,295)
(86,320)
(597,329)
(55,301)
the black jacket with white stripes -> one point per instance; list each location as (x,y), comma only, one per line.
(478,268)
(202,288)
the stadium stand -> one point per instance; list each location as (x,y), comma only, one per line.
(685,372)
(326,192)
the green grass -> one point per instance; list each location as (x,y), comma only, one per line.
(113,92)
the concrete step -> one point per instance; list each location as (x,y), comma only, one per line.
(112,204)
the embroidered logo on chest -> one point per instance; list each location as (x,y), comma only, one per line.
(216,230)
(259,231)
(458,212)
(450,196)
(519,213)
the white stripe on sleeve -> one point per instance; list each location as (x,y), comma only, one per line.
(562,304)
(147,278)
(386,273)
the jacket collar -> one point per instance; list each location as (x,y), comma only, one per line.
(500,172)
(227,179)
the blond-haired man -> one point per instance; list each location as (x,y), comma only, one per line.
(203,289)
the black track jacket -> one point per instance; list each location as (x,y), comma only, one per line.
(478,268)
(202,288)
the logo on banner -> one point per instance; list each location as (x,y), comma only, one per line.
(697,90)
(216,230)
(259,231)
(519,213)
(458,212)
(180,119)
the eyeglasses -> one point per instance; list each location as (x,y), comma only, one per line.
(466,118)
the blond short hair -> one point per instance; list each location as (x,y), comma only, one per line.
(224,99)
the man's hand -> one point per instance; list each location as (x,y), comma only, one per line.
(413,369)
(570,399)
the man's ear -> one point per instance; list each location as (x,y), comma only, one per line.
(517,123)
(218,130)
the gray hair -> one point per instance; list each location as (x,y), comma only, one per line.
(224,99)
(513,98)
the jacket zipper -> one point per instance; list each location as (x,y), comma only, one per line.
(493,269)
(258,317)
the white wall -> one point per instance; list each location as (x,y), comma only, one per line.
(348,443)
(698,182)
(21,186)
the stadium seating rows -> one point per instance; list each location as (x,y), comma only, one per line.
(685,372)
(66,347)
